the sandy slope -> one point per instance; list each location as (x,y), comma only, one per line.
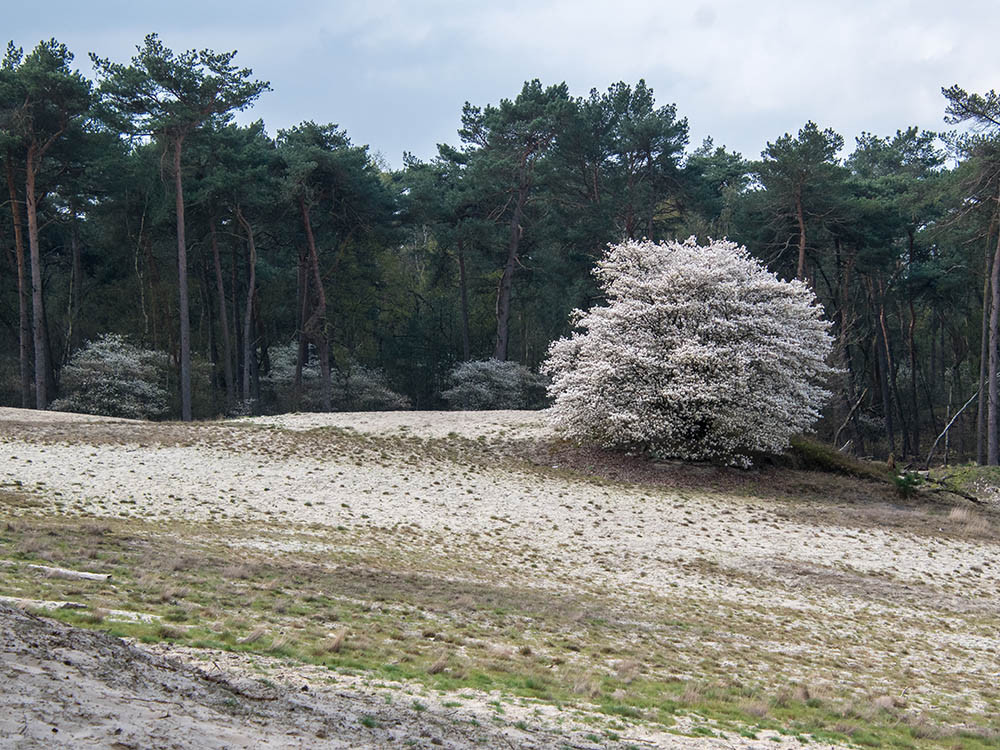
(71,688)
(854,589)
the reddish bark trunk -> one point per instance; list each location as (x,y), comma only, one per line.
(227,344)
(182,286)
(24,324)
(37,301)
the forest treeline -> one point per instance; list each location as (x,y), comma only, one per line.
(134,204)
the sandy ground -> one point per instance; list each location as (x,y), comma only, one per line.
(424,424)
(71,688)
(639,541)
(373,472)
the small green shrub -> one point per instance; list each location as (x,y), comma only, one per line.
(906,483)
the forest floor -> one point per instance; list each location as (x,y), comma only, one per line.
(452,579)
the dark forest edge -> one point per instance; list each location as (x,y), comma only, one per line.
(296,271)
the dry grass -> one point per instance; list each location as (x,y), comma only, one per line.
(707,581)
(759,709)
(17,499)
(439,664)
(334,644)
(253,636)
(960,515)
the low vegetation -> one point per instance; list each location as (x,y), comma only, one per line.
(470,609)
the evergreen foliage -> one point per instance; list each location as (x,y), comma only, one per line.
(481,252)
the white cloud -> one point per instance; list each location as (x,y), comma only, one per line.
(395,73)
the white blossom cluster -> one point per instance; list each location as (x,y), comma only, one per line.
(112,377)
(353,388)
(493,384)
(700,353)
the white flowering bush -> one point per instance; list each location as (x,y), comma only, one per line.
(278,383)
(353,388)
(700,353)
(112,377)
(493,384)
(360,388)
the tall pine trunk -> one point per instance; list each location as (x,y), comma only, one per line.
(301,314)
(227,344)
(992,415)
(234,313)
(911,342)
(24,324)
(882,364)
(248,353)
(318,327)
(981,407)
(464,295)
(801,219)
(507,279)
(914,402)
(182,286)
(75,286)
(37,301)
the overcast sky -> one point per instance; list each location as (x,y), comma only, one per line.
(395,74)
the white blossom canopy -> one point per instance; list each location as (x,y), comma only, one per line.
(700,353)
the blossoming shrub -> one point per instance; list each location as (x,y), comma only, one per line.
(360,388)
(700,353)
(492,384)
(112,377)
(354,388)
(278,383)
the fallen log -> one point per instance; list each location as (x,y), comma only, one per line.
(60,572)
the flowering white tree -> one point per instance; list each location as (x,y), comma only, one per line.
(700,353)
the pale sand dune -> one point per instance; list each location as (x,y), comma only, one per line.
(275,478)
(426,424)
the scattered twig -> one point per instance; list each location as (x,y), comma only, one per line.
(154,700)
(836,437)
(948,427)
(224,682)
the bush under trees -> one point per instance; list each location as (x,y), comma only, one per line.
(352,388)
(493,384)
(360,388)
(111,377)
(700,353)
